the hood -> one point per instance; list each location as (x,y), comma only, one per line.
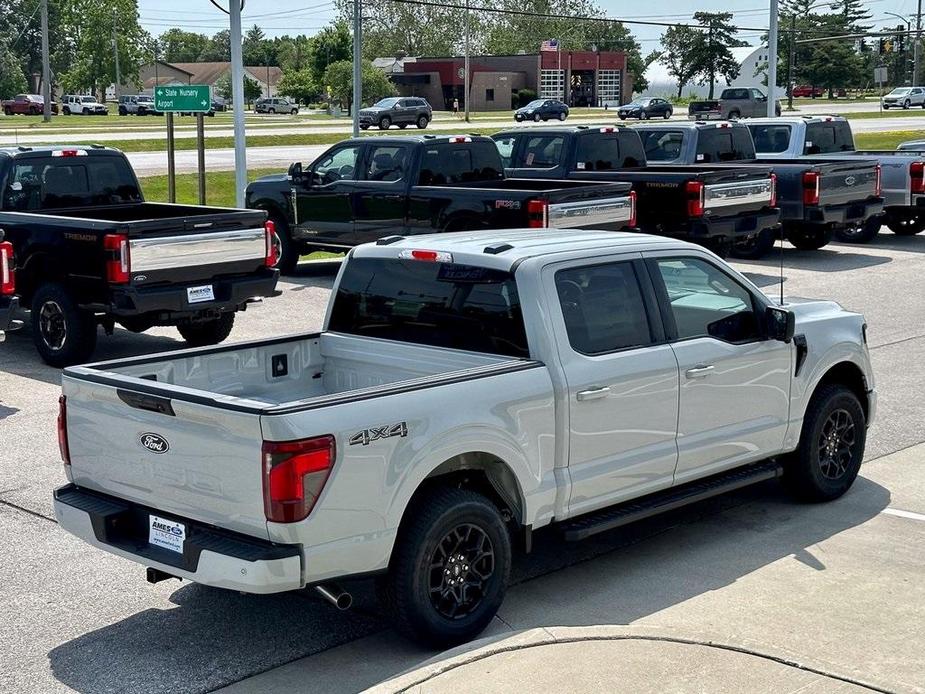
(372,109)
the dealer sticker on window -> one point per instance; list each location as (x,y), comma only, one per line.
(166,533)
(197,295)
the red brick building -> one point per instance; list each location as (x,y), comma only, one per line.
(580,78)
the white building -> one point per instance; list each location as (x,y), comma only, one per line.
(751,60)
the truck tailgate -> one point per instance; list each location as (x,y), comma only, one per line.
(179,457)
(846,182)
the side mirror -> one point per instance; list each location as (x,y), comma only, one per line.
(295,172)
(780,322)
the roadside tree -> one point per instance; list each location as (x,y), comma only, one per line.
(338,83)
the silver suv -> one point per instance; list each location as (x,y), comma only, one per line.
(904,97)
(137,104)
(397,110)
(276,105)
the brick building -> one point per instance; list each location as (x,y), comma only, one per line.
(580,78)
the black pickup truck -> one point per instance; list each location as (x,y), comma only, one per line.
(709,205)
(363,189)
(90,251)
(817,197)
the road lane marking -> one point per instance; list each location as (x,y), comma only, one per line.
(904,514)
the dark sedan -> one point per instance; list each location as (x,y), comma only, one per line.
(644,109)
(542,109)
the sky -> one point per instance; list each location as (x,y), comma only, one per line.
(277,17)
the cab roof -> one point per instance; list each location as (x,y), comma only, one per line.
(506,248)
(792,120)
(46,150)
(417,139)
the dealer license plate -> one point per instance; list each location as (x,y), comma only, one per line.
(197,295)
(166,533)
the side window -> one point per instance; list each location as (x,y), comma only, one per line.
(506,149)
(339,165)
(603,308)
(386,164)
(706,302)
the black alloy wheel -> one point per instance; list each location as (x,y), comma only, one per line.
(460,569)
(836,444)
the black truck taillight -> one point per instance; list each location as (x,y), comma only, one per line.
(7,273)
(773,201)
(878,181)
(118,262)
(632,222)
(272,256)
(917,177)
(294,473)
(537,214)
(62,430)
(811,183)
(696,198)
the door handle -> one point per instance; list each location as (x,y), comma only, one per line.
(392,197)
(592,393)
(699,371)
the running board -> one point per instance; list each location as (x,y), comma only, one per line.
(667,500)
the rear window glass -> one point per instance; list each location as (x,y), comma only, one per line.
(437,304)
(540,152)
(607,151)
(772,139)
(716,145)
(662,145)
(825,138)
(59,182)
(450,163)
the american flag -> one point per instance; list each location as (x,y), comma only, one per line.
(550,45)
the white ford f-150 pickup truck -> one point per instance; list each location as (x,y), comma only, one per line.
(466,389)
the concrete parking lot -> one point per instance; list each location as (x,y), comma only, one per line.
(764,593)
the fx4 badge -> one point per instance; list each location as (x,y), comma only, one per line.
(367,436)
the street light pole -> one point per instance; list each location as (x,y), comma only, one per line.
(357,64)
(115,51)
(793,34)
(466,66)
(237,95)
(772,61)
(917,48)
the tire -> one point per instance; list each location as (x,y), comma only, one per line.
(33,111)
(272,110)
(441,523)
(536,117)
(885,107)
(905,105)
(561,116)
(364,127)
(385,123)
(643,115)
(7,111)
(756,247)
(287,250)
(63,334)
(86,112)
(831,448)
(294,112)
(66,111)
(122,111)
(422,122)
(863,233)
(908,226)
(809,238)
(402,126)
(517,118)
(668,114)
(622,117)
(734,115)
(207,332)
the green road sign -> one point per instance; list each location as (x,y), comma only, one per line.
(185,97)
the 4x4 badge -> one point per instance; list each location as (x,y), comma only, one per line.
(367,436)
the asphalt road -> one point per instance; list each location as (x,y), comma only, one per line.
(839,582)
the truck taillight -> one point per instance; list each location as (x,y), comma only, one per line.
(294,473)
(118,263)
(7,274)
(537,214)
(811,182)
(632,221)
(773,201)
(62,430)
(917,177)
(878,181)
(272,257)
(696,198)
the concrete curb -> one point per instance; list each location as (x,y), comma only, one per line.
(544,636)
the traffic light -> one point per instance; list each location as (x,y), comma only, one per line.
(887,46)
(880,43)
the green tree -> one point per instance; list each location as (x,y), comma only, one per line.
(713,58)
(330,45)
(300,85)
(681,45)
(252,90)
(223,88)
(219,48)
(338,83)
(255,47)
(12,78)
(293,52)
(399,29)
(178,46)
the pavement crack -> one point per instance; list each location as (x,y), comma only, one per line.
(17,507)
(897,342)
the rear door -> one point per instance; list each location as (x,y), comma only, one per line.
(325,204)
(622,380)
(734,383)
(380,199)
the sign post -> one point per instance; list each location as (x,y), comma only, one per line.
(184,98)
(880,76)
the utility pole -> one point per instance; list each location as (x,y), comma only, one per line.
(237,94)
(46,68)
(357,64)
(793,56)
(466,66)
(917,48)
(772,61)
(115,50)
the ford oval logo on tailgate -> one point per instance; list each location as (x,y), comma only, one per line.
(155,443)
(850,180)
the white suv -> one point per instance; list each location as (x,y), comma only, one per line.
(904,97)
(276,105)
(84,104)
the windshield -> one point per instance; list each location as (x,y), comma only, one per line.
(87,99)
(144,98)
(386,103)
(640,102)
(900,91)
(535,104)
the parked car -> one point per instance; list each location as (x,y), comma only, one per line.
(733,103)
(805,92)
(26,105)
(903,172)
(136,104)
(713,206)
(646,108)
(542,109)
(464,392)
(363,189)
(817,197)
(904,97)
(400,111)
(279,104)
(90,251)
(9,302)
(219,104)
(911,146)
(82,104)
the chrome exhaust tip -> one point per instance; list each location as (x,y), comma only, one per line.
(335,595)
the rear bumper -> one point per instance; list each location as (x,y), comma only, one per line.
(212,557)
(705,115)
(734,228)
(8,307)
(171,301)
(842,214)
